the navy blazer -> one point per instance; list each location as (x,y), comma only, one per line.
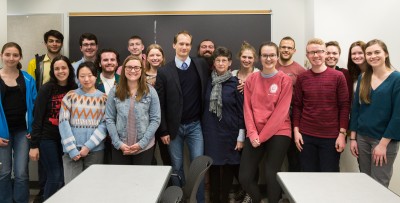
(170,94)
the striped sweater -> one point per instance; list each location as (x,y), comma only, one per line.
(82,121)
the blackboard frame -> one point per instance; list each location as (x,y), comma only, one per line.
(225,28)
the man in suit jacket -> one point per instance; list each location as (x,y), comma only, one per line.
(181,86)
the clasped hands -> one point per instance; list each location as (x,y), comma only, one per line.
(129,150)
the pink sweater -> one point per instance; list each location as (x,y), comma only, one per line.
(266,106)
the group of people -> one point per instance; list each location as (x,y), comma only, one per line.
(96,111)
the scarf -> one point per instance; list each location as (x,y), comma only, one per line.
(216,97)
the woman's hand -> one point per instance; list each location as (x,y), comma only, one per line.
(84,151)
(240,87)
(379,155)
(354,148)
(3,142)
(239,146)
(298,140)
(77,157)
(34,154)
(255,143)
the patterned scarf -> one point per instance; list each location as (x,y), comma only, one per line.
(216,97)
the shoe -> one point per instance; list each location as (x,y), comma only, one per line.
(38,199)
(239,196)
(247,199)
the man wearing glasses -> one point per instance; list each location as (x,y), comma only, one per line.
(320,113)
(88,47)
(287,48)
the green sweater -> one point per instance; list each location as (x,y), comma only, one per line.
(380,118)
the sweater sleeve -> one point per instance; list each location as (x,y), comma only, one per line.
(343,102)
(67,138)
(252,133)
(154,117)
(39,114)
(100,133)
(392,129)
(281,111)
(297,107)
(111,117)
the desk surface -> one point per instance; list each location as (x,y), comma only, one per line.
(115,183)
(334,187)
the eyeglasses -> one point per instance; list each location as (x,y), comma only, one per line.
(285,47)
(224,61)
(268,56)
(312,53)
(89,44)
(134,68)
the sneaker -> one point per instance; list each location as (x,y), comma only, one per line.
(239,196)
(247,199)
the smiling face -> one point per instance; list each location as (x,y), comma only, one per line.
(357,55)
(247,59)
(268,58)
(61,72)
(135,46)
(375,56)
(89,48)
(87,79)
(11,57)
(222,64)
(206,49)
(332,56)
(53,45)
(183,46)
(108,62)
(316,54)
(155,58)
(286,50)
(133,70)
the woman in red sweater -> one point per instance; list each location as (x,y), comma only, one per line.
(267,97)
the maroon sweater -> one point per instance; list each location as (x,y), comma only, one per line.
(321,103)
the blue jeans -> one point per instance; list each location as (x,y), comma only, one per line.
(191,134)
(19,190)
(319,155)
(51,156)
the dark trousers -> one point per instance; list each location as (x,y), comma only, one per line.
(143,158)
(164,153)
(221,178)
(319,155)
(293,156)
(275,150)
(51,155)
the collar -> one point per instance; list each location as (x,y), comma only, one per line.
(179,63)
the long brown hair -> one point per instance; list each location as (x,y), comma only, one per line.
(353,68)
(365,85)
(122,90)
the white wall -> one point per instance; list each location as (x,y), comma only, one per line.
(348,21)
(3,22)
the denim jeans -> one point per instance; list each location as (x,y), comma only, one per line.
(191,134)
(17,191)
(74,168)
(51,156)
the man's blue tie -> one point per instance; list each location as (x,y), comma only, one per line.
(184,66)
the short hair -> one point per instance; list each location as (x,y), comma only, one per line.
(136,37)
(87,64)
(315,41)
(288,38)
(88,36)
(183,32)
(98,58)
(247,46)
(268,44)
(53,33)
(222,51)
(71,84)
(335,44)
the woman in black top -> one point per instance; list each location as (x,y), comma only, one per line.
(46,139)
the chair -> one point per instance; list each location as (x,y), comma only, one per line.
(197,170)
(173,194)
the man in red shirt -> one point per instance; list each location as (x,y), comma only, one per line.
(320,113)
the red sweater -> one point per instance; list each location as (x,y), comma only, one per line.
(321,103)
(266,106)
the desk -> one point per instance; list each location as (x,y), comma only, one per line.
(115,183)
(334,188)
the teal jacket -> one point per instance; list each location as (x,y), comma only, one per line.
(30,100)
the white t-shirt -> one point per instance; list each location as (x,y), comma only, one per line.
(108,83)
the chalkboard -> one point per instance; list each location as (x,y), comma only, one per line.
(113,31)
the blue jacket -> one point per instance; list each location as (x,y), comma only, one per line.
(30,100)
(147,114)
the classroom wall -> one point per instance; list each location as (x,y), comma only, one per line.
(3,22)
(329,20)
